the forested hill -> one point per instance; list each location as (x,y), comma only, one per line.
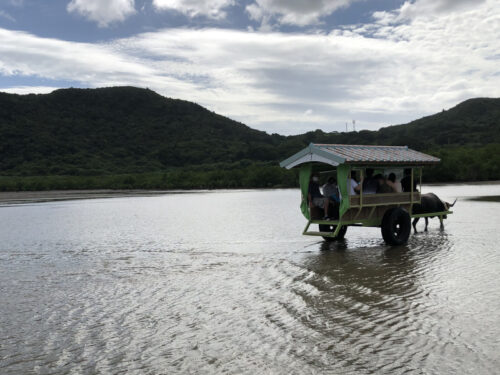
(130,137)
(465,137)
(475,122)
(116,130)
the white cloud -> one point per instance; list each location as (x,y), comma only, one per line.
(377,74)
(426,9)
(433,7)
(297,12)
(193,8)
(104,12)
(23,90)
(94,65)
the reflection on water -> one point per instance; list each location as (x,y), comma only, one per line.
(224,282)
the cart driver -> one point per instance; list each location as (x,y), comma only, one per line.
(406,181)
(315,198)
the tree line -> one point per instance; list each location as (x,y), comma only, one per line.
(129,138)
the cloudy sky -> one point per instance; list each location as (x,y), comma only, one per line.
(283,66)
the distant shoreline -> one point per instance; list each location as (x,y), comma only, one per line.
(486,198)
(495,182)
(24,197)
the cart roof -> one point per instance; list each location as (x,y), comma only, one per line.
(359,155)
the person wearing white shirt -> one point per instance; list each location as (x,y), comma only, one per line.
(354,187)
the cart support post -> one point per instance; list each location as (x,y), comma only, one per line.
(307,226)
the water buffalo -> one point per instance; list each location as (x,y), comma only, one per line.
(430,202)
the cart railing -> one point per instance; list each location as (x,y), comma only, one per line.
(371,200)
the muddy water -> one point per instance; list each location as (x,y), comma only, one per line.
(223,282)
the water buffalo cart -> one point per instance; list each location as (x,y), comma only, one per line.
(389,209)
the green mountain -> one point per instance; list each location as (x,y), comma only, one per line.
(475,122)
(465,137)
(116,130)
(125,137)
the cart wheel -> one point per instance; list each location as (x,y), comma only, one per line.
(396,226)
(331,228)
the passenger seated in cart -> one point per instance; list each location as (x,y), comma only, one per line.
(396,185)
(331,191)
(383,186)
(370,184)
(315,198)
(354,187)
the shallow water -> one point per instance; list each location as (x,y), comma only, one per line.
(223,282)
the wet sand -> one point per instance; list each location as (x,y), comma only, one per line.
(490,198)
(19,197)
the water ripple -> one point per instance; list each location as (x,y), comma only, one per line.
(170,293)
